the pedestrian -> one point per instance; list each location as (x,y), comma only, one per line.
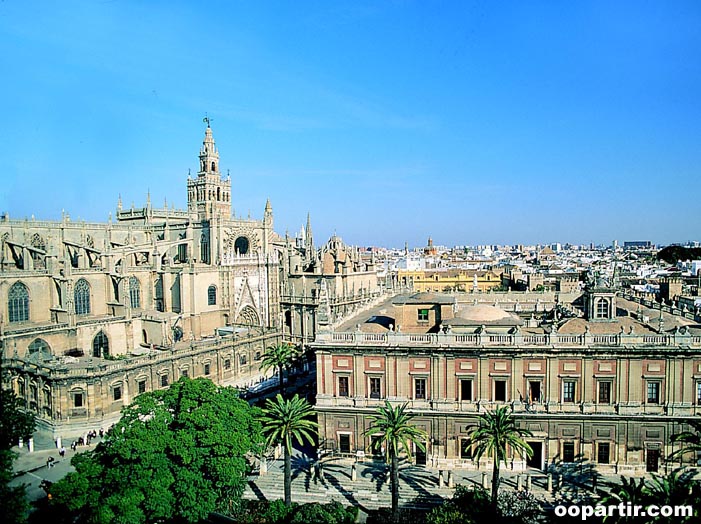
(317,471)
(62,451)
(102,432)
(50,462)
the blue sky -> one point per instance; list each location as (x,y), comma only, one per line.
(472,122)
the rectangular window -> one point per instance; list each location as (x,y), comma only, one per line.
(206,369)
(698,392)
(420,388)
(117,393)
(653,392)
(342,386)
(78,400)
(604,392)
(568,390)
(164,380)
(184,372)
(500,390)
(375,387)
(466,390)
(227,364)
(422,315)
(142,386)
(534,390)
(568,451)
(603,453)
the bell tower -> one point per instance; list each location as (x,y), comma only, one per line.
(209,194)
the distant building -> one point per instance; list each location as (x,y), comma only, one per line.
(636,245)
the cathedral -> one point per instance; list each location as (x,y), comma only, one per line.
(95,313)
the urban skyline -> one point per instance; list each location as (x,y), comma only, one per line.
(388,122)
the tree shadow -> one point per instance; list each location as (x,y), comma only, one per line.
(256,490)
(378,473)
(575,482)
(336,476)
(302,465)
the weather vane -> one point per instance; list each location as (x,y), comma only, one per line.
(206,119)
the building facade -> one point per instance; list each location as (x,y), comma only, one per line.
(587,384)
(93,314)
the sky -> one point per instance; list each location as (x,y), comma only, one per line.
(473,122)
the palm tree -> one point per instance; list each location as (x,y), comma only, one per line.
(497,432)
(628,492)
(278,357)
(284,420)
(393,425)
(690,441)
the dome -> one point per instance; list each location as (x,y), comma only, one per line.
(485,314)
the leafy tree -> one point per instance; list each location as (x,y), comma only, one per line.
(675,489)
(393,426)
(497,433)
(284,420)
(627,492)
(331,513)
(280,357)
(15,424)
(690,441)
(176,454)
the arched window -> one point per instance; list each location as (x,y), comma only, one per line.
(134,292)
(18,303)
(241,245)
(204,248)
(39,346)
(211,295)
(214,166)
(100,345)
(81,295)
(602,308)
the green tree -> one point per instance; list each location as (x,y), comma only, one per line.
(279,357)
(627,492)
(690,441)
(15,424)
(497,433)
(176,454)
(393,426)
(284,420)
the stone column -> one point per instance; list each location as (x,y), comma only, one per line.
(550,483)
(440,478)
(354,474)
(519,482)
(485,485)
(529,483)
(451,483)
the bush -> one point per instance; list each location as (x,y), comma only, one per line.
(316,513)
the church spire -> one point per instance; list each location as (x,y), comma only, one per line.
(309,239)
(209,156)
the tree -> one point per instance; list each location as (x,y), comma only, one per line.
(176,454)
(284,420)
(690,441)
(628,492)
(280,357)
(393,426)
(497,433)
(15,424)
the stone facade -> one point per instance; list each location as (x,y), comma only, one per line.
(92,314)
(611,392)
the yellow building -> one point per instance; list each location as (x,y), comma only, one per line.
(437,280)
